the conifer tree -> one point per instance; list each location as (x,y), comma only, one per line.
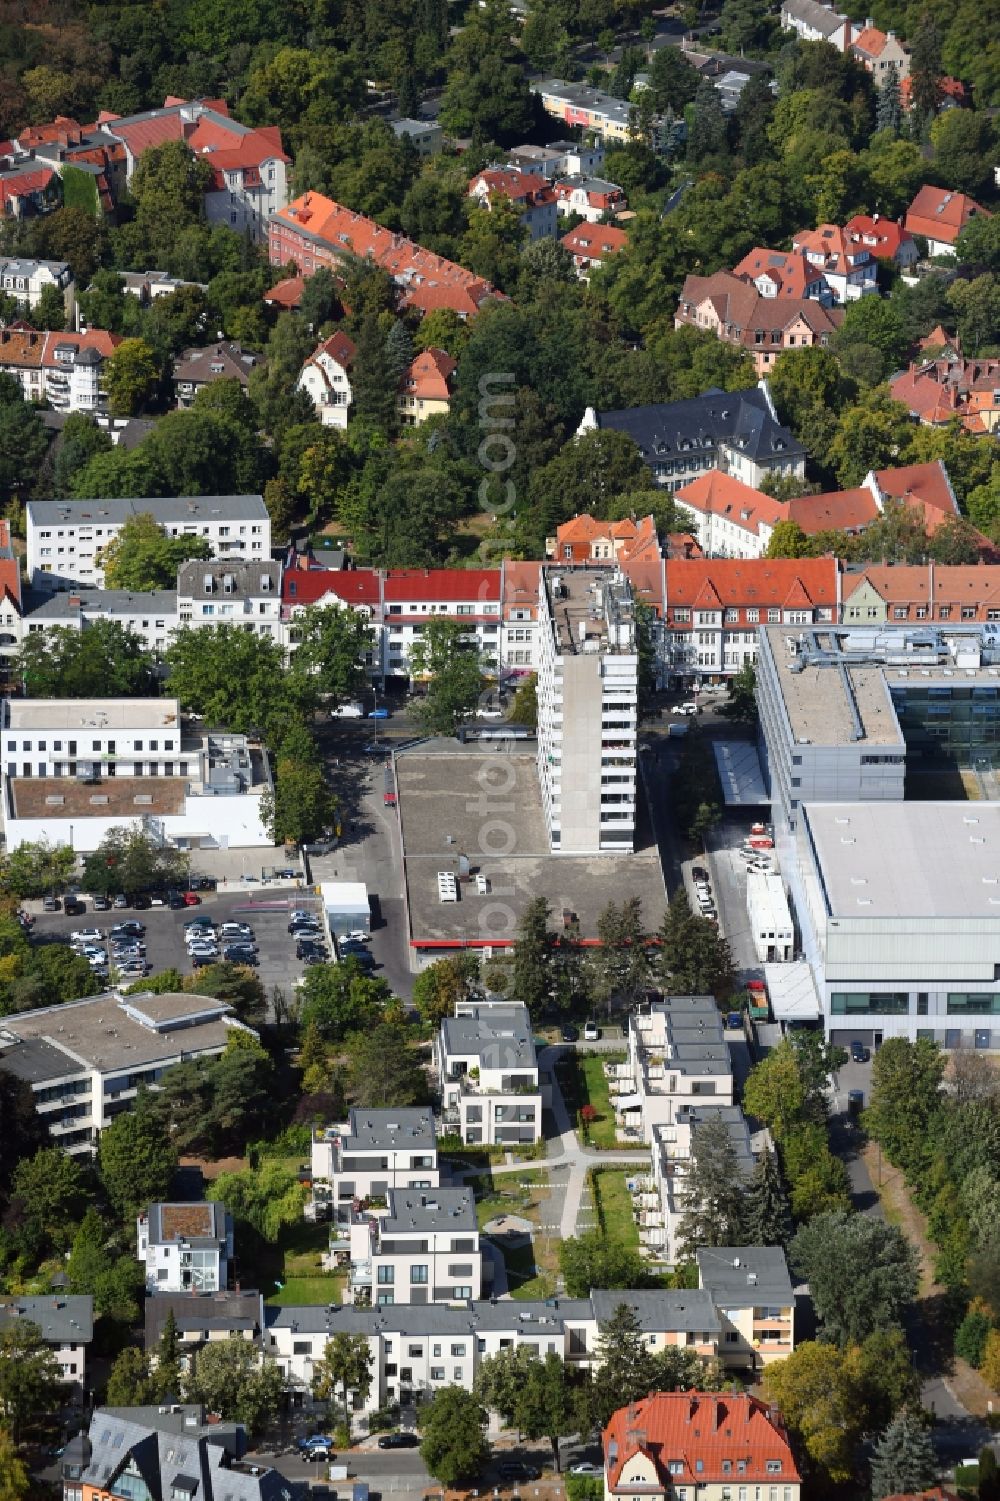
(888,104)
(903,1461)
(767,1219)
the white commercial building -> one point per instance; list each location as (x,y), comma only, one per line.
(488,1073)
(588,673)
(74,769)
(85,1061)
(185,1247)
(65,537)
(771,929)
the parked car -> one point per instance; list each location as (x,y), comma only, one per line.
(131,925)
(591,1032)
(304,949)
(569,1033)
(595,1471)
(358,935)
(304,925)
(85,935)
(348,711)
(686,708)
(201,961)
(176,902)
(142,903)
(398,1441)
(73,907)
(120,901)
(235,954)
(517,1470)
(380,713)
(191,899)
(102,904)
(315,1440)
(236,930)
(859,1053)
(51,904)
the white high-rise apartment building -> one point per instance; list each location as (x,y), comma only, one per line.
(588,670)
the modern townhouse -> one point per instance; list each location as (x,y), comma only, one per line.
(679,1446)
(939,216)
(713,609)
(85,1061)
(753,1292)
(66,1324)
(737,431)
(677,1057)
(194,369)
(421,1247)
(185,1247)
(488,1075)
(369,1153)
(74,769)
(732,308)
(65,538)
(560,159)
(314,231)
(588,673)
(660,1200)
(580,104)
(532,196)
(233,592)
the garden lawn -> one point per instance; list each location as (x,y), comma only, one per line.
(613,1207)
(294,1262)
(582,1080)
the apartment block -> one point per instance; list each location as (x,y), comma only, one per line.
(661,1199)
(751,1285)
(580,104)
(488,1074)
(61,369)
(234,592)
(151,615)
(370,1153)
(185,1247)
(85,1061)
(677,1057)
(423,1247)
(587,709)
(65,538)
(66,1324)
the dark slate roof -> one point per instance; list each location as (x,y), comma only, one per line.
(429,1318)
(204,1313)
(64,1319)
(415,1209)
(377,1130)
(688,1311)
(740,418)
(34,1060)
(753,1274)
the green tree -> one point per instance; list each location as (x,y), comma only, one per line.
(524,709)
(235,678)
(620,967)
(373,388)
(624,1367)
(128,860)
(130,376)
(491,244)
(384,1070)
(438,988)
(232,1378)
(862,1273)
(300,805)
(453,1446)
(215,1106)
(767,1220)
(446,656)
(23,442)
(707,131)
(534,952)
(34,870)
(142,557)
(15,1483)
(320,300)
(331,644)
(50,310)
(137,1159)
(486,95)
(874,435)
(589,1260)
(546,1408)
(741,702)
(903,1460)
(500,1380)
(906,1082)
(888,106)
(820,1402)
(51,1191)
(345,1367)
(29,1377)
(340,998)
(694,960)
(131,1382)
(102,660)
(712,1190)
(774,1091)
(925,70)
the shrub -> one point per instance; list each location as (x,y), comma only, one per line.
(972,1334)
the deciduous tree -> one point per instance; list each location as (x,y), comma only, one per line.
(345,1367)
(453,1446)
(142,557)
(862,1273)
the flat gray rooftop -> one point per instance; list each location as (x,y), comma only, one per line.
(99,1033)
(93,714)
(485,803)
(758,1272)
(429,1209)
(818,702)
(910,859)
(174,509)
(499,1035)
(369,1130)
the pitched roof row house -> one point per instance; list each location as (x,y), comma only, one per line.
(950,388)
(736,312)
(315,231)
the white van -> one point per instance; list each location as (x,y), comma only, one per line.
(348,711)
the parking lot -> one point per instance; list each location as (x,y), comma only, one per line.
(266,912)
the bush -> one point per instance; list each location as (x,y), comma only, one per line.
(384,1418)
(584,1488)
(971,1336)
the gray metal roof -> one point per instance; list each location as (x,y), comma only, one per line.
(245,577)
(741,419)
(370,1130)
(204,1313)
(499,1035)
(64,1318)
(64,606)
(430,1318)
(172,509)
(822,18)
(413,1209)
(688,1311)
(751,1273)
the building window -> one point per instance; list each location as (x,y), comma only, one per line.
(386,1275)
(418,1275)
(872,1003)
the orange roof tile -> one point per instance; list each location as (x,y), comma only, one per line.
(883,237)
(286,293)
(940,215)
(592,241)
(692,1436)
(429,375)
(752,581)
(719,494)
(838,511)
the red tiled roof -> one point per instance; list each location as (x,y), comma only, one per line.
(592,241)
(442,585)
(741,310)
(309,586)
(972,584)
(883,237)
(752,581)
(936,1493)
(429,375)
(519,187)
(645,574)
(838,249)
(21,184)
(286,293)
(700,1432)
(938,214)
(870,41)
(924,482)
(790,272)
(520,587)
(339,348)
(682,545)
(838,511)
(719,494)
(151,130)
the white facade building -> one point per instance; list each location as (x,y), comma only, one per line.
(423,1248)
(325,378)
(488,1073)
(677,1058)
(66,1323)
(150,615)
(587,709)
(26,280)
(185,1247)
(370,1153)
(771,929)
(662,1210)
(234,592)
(65,538)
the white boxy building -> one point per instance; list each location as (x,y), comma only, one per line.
(74,769)
(185,1247)
(771,928)
(65,536)
(370,1153)
(677,1058)
(422,1247)
(488,1074)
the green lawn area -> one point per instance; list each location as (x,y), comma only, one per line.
(316,1290)
(613,1207)
(531,1269)
(506,1196)
(295,1262)
(581,1078)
